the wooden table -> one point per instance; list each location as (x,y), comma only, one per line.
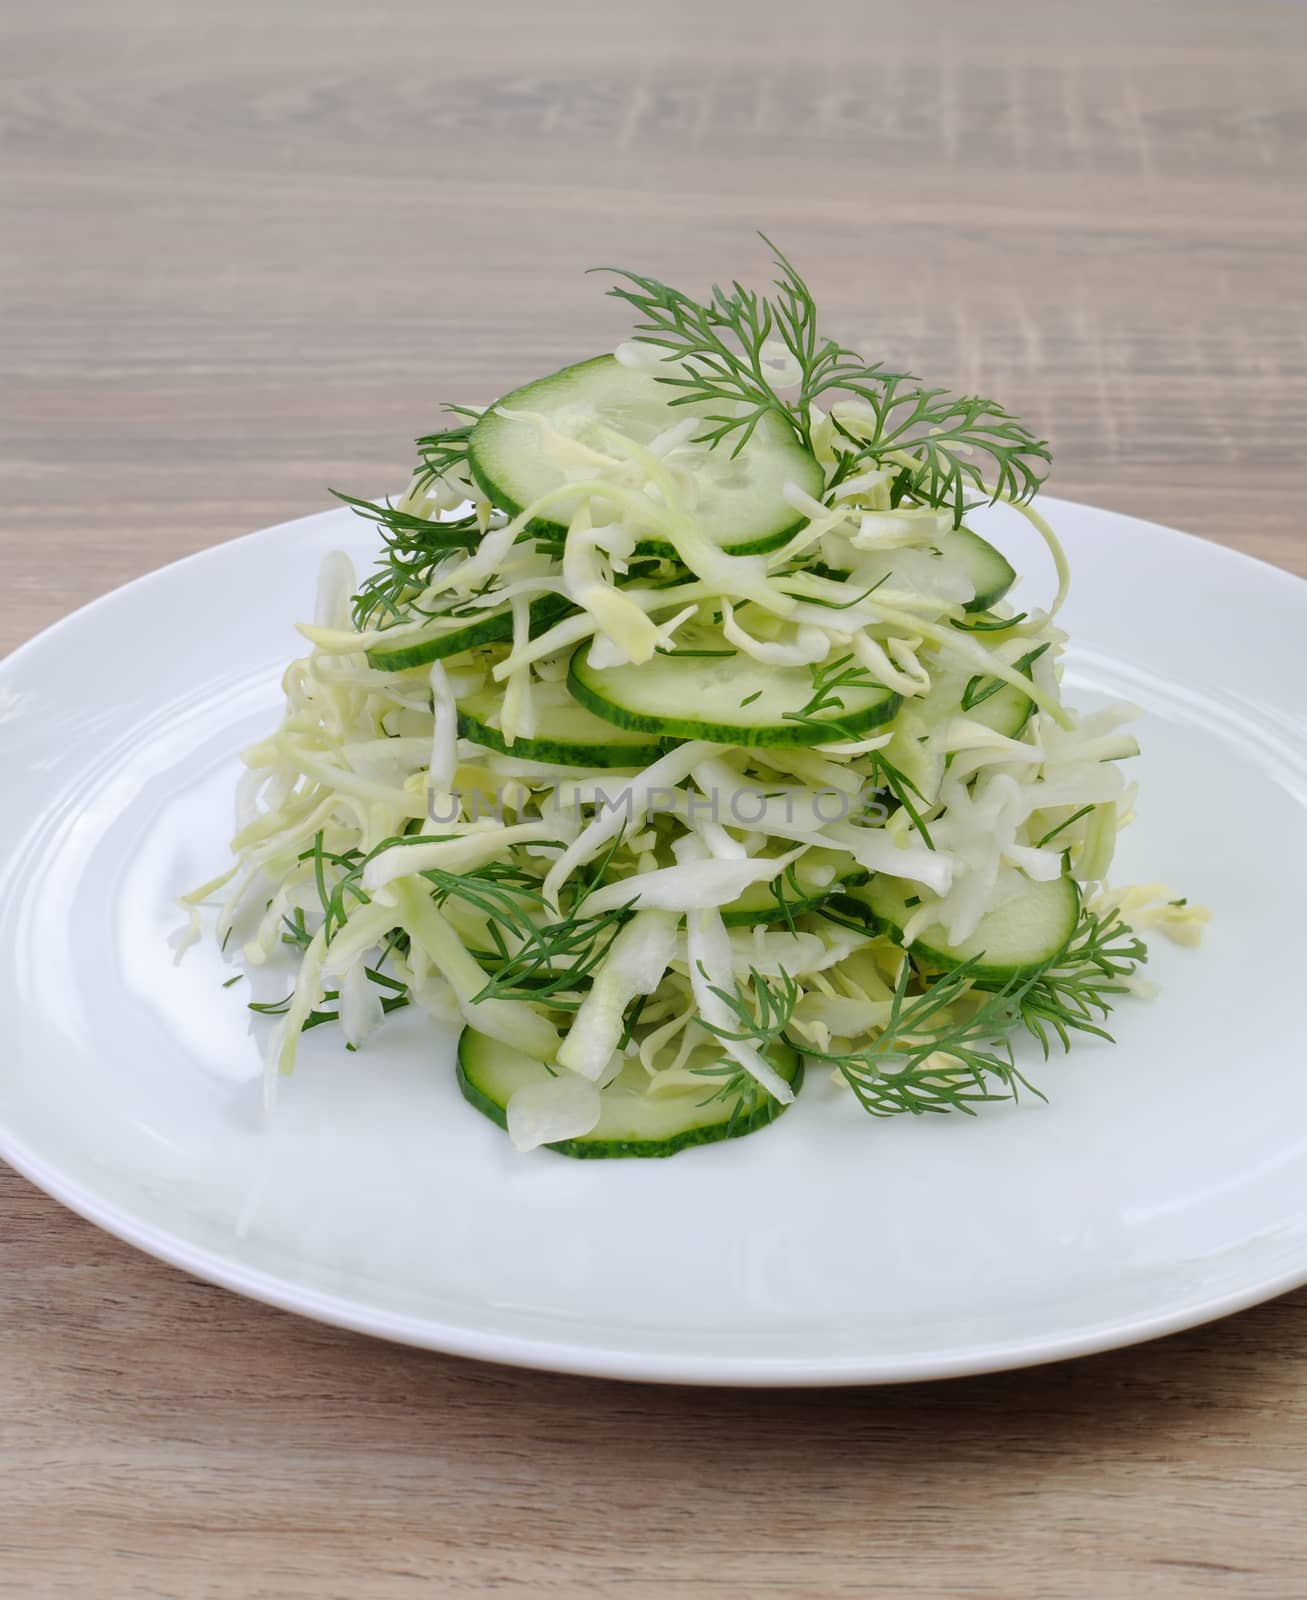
(248,250)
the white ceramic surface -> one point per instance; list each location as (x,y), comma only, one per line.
(1165,1182)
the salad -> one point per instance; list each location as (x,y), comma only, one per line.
(684,740)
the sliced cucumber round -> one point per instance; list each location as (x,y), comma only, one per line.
(636,1119)
(451,635)
(568,736)
(1024,932)
(804,886)
(991,574)
(716,693)
(740,503)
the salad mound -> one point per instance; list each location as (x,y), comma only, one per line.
(685,739)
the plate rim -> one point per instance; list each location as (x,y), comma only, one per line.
(541,1352)
(595,1361)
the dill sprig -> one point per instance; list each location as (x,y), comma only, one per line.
(893,778)
(395,1000)
(829,678)
(981,688)
(414,547)
(554,953)
(553,960)
(335,897)
(938,1051)
(537,953)
(986,623)
(1063,825)
(720,356)
(947,440)
(790,896)
(762,1013)
(733,1084)
(948,1047)
(445,451)
(715,353)
(1076,990)
(403,528)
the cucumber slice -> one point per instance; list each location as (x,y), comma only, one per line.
(1023,932)
(713,692)
(568,736)
(739,505)
(633,1121)
(450,636)
(819,873)
(991,574)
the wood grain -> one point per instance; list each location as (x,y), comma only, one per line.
(248,250)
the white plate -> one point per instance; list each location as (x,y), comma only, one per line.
(1164,1183)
